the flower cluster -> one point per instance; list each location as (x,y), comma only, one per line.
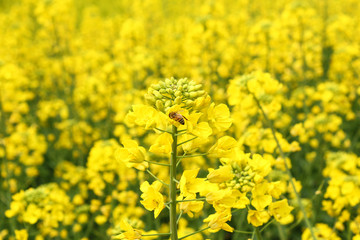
(241,181)
(266,120)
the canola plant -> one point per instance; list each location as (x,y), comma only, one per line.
(179,119)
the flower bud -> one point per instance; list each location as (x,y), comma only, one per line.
(189,103)
(193,94)
(197,87)
(200,93)
(157,94)
(168,82)
(159,105)
(177,93)
(178,100)
(150,98)
(156,86)
(168,103)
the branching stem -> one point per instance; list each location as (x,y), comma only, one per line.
(172,190)
(302,208)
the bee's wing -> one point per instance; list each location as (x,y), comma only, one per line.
(181,114)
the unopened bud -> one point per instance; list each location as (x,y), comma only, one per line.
(200,93)
(178,93)
(150,98)
(162,84)
(193,94)
(197,87)
(189,103)
(159,104)
(157,94)
(178,100)
(156,86)
(168,103)
(168,82)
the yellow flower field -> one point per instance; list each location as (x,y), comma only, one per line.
(154,119)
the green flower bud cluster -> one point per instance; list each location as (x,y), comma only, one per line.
(36,195)
(82,209)
(243,80)
(243,179)
(172,92)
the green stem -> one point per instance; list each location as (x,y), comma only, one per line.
(244,232)
(190,156)
(153,175)
(162,130)
(258,235)
(156,234)
(267,225)
(181,213)
(157,163)
(192,200)
(281,232)
(302,208)
(172,191)
(178,162)
(194,233)
(179,134)
(187,141)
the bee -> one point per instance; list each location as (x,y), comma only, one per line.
(177,117)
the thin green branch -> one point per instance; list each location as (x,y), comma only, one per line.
(244,232)
(302,208)
(157,163)
(156,234)
(153,175)
(188,235)
(258,235)
(267,225)
(190,156)
(178,162)
(191,200)
(281,232)
(179,217)
(187,141)
(182,133)
(162,130)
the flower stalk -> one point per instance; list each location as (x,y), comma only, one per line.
(172,191)
(302,208)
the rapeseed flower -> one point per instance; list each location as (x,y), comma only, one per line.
(153,200)
(217,221)
(189,184)
(133,155)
